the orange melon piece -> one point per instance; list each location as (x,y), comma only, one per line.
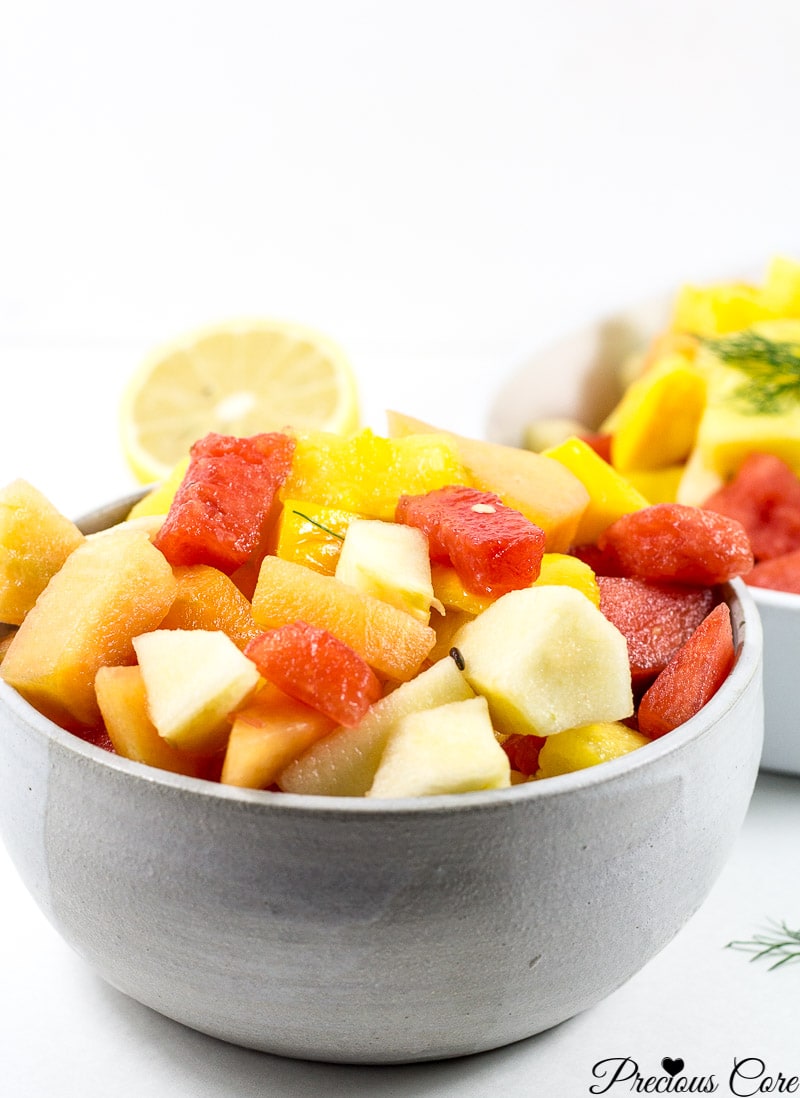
(122,698)
(208,599)
(267,735)
(35,540)
(391,641)
(109,590)
(542,489)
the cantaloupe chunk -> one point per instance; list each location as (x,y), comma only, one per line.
(544,491)
(109,590)
(208,599)
(35,540)
(391,641)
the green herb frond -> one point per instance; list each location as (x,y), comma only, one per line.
(772,369)
(778,942)
(319,525)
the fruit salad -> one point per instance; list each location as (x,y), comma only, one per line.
(358,615)
(710,415)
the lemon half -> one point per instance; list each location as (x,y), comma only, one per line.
(237,378)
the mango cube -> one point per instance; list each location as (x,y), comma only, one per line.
(588,745)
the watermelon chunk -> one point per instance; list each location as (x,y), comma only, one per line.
(523,752)
(778,574)
(674,543)
(655,619)
(225,499)
(493,548)
(692,676)
(315,667)
(765,497)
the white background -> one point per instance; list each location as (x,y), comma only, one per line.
(444,188)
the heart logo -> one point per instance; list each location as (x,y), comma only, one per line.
(672,1067)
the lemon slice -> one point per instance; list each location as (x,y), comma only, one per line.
(236,378)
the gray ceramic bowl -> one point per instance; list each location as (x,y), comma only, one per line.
(379,932)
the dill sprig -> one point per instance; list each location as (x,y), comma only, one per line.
(772,369)
(779,943)
(319,525)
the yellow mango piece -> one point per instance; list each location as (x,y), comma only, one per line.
(610,494)
(35,540)
(781,290)
(451,592)
(122,698)
(587,745)
(108,591)
(311,534)
(657,419)
(367,474)
(159,500)
(560,569)
(718,309)
(391,641)
(658,485)
(545,492)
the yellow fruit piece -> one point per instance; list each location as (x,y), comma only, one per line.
(657,485)
(545,493)
(109,590)
(311,534)
(159,500)
(238,378)
(268,734)
(610,494)
(122,699)
(587,745)
(367,473)
(781,290)
(657,419)
(452,593)
(718,309)
(559,569)
(391,641)
(35,540)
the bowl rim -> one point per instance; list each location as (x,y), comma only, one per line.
(749,641)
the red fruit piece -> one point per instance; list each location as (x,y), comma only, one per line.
(224,500)
(601,444)
(523,752)
(655,619)
(765,497)
(493,548)
(778,574)
(602,564)
(673,543)
(692,676)
(317,668)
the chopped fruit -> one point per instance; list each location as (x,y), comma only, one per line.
(546,493)
(311,534)
(764,496)
(655,619)
(677,544)
(208,599)
(588,745)
(392,642)
(546,659)
(523,753)
(391,562)
(452,592)
(267,734)
(778,574)
(493,548)
(122,699)
(560,569)
(194,680)
(341,685)
(222,505)
(445,627)
(367,474)
(658,485)
(450,749)
(610,494)
(108,591)
(692,676)
(718,309)
(35,540)
(344,763)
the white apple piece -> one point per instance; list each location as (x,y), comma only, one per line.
(194,678)
(450,749)
(546,659)
(343,763)
(389,561)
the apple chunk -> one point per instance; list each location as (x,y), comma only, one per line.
(546,659)
(450,749)
(194,679)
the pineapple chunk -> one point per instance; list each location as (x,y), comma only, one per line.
(588,745)
(449,749)
(391,562)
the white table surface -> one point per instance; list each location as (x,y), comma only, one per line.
(444,188)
